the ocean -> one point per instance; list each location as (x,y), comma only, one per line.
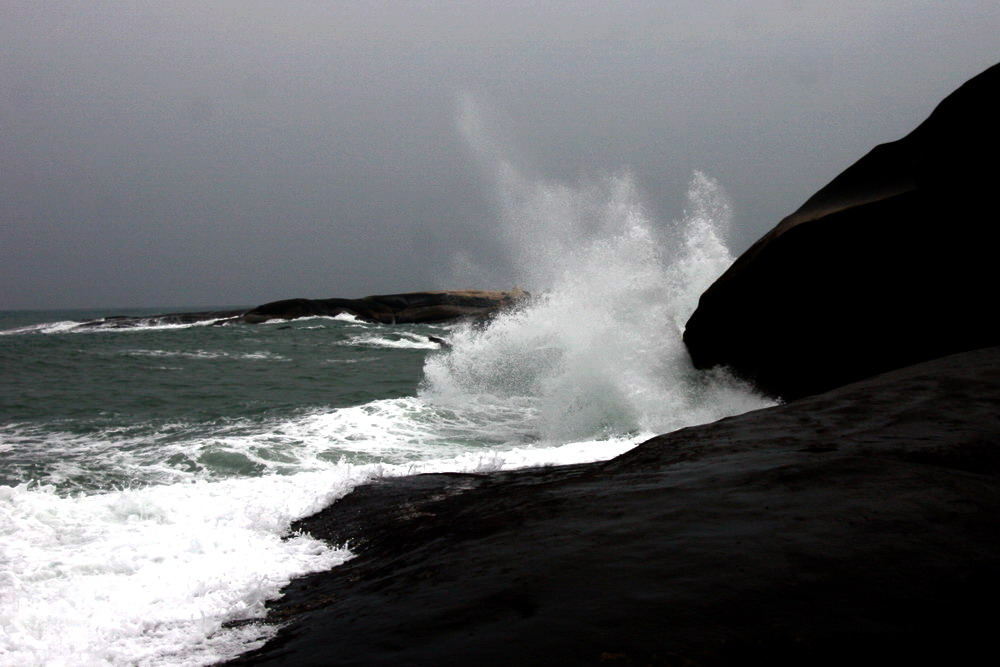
(149,475)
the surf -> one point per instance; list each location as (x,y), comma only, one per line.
(598,352)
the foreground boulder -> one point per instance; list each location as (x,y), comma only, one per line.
(858,526)
(890,264)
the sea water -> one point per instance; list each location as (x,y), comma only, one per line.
(149,475)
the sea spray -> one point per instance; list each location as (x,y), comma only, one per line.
(599,351)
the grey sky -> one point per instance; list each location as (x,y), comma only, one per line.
(236,152)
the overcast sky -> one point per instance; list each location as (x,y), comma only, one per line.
(177,153)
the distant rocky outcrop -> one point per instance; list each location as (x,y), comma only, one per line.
(409,308)
(890,264)
(162,319)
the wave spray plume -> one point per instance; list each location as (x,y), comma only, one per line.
(598,352)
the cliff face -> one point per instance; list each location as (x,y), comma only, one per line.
(888,265)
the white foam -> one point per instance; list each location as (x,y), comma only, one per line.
(77,327)
(403,340)
(111,327)
(149,576)
(341,317)
(98,459)
(389,430)
(45,328)
(101,326)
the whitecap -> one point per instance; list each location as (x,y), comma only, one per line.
(401,340)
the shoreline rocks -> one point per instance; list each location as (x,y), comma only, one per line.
(855,525)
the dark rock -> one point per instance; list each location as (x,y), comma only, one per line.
(853,527)
(445,345)
(293,309)
(888,265)
(410,308)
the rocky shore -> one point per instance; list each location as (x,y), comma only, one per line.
(855,524)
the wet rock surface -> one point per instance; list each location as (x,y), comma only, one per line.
(854,526)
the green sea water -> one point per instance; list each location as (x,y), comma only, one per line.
(149,474)
(75,403)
